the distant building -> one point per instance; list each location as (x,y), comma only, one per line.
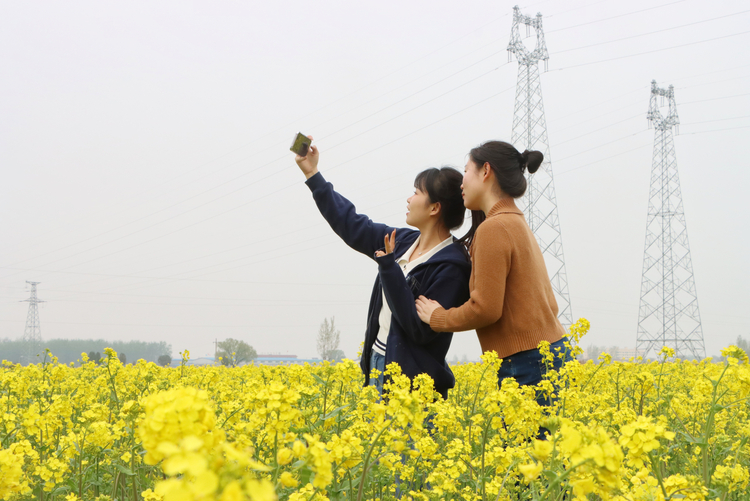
(278,359)
(176,362)
(271,359)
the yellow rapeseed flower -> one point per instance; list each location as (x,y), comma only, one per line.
(531,470)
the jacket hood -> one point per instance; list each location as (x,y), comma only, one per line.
(455,253)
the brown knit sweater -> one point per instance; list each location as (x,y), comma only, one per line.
(512,306)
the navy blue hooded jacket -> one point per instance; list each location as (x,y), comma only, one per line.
(444,277)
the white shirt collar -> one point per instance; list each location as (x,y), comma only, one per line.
(425,255)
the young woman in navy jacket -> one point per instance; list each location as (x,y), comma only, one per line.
(435,208)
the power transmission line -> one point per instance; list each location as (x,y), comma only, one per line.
(271,162)
(256,181)
(604,159)
(614,17)
(273,192)
(713,130)
(652,51)
(651,32)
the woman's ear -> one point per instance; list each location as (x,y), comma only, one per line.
(435,209)
(486,171)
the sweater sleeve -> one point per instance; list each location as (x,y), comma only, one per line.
(448,287)
(357,230)
(491,258)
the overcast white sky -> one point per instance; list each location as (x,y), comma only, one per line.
(147,183)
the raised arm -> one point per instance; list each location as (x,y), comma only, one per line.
(357,230)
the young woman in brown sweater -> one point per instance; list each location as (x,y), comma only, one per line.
(512,305)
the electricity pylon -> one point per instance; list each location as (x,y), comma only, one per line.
(668,313)
(530,132)
(32,335)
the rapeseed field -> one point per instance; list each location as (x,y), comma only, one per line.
(659,430)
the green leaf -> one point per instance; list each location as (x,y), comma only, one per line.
(60,490)
(304,476)
(124,470)
(690,439)
(335,412)
(549,475)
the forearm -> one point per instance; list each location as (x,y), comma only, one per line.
(400,299)
(357,230)
(466,317)
(490,265)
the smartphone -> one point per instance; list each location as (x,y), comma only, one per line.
(300,145)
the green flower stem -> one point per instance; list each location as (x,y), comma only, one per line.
(558,479)
(366,464)
(657,471)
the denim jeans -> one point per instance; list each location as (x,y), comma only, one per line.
(377,361)
(528,367)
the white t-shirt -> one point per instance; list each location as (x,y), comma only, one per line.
(384,319)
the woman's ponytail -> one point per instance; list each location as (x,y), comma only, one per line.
(477,216)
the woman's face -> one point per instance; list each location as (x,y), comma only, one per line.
(471,188)
(418,206)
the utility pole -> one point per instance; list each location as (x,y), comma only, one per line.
(668,313)
(530,132)
(32,334)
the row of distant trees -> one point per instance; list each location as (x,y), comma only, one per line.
(231,352)
(69,350)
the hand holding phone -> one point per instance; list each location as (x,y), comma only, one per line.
(301,144)
(307,155)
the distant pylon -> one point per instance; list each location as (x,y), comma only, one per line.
(668,313)
(530,132)
(32,335)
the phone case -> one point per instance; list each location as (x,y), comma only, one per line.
(300,145)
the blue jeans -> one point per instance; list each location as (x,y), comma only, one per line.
(528,367)
(377,361)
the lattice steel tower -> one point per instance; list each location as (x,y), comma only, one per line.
(32,335)
(530,132)
(668,314)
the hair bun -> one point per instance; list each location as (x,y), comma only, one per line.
(524,159)
(531,160)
